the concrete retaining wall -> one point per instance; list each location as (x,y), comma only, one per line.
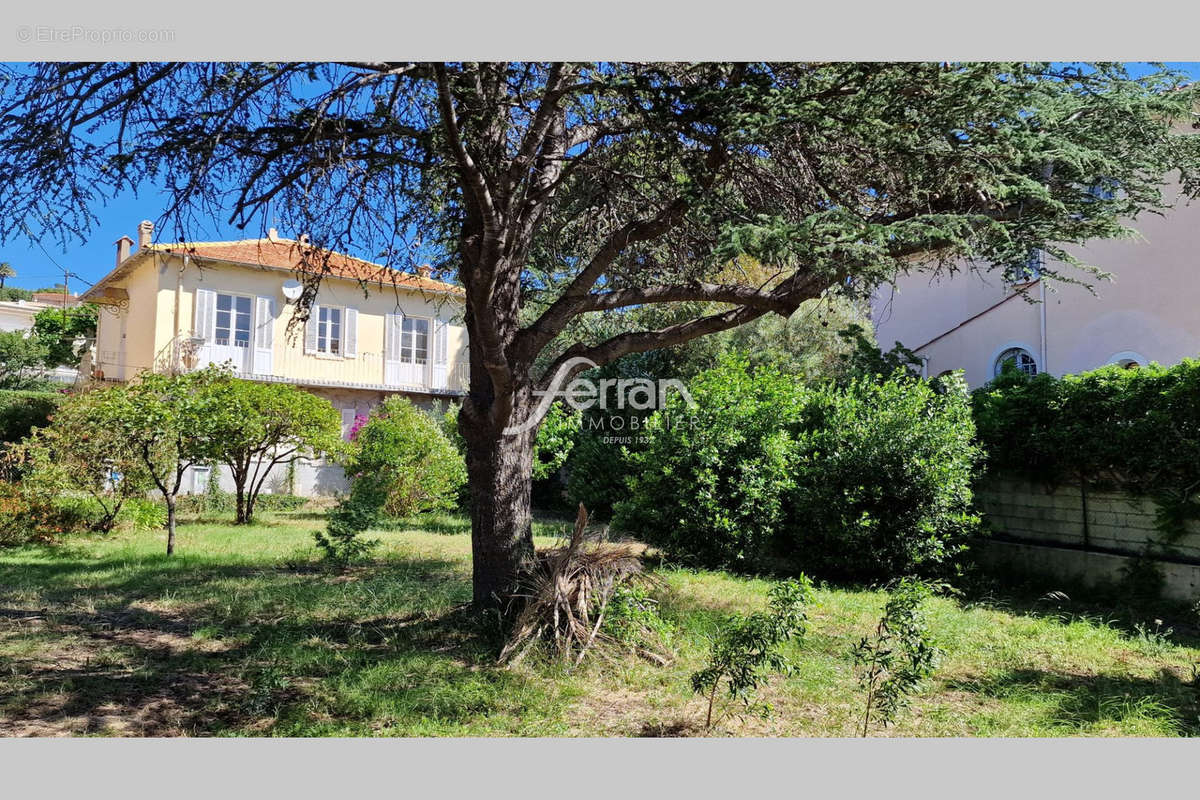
(1087,538)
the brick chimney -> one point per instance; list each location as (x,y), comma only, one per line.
(145,233)
(124,244)
(425,270)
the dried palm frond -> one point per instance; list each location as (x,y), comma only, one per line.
(566,592)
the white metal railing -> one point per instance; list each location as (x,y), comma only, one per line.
(363,371)
(291,364)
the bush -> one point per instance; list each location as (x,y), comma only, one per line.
(405,452)
(29,514)
(596,473)
(710,484)
(1137,430)
(143,514)
(882,477)
(863,481)
(21,412)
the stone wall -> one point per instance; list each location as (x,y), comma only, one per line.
(1085,537)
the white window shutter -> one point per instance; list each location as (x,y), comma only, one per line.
(391,349)
(439,374)
(310,329)
(440,335)
(206,303)
(350,334)
(264,335)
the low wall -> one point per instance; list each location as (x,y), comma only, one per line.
(1086,537)
(312,479)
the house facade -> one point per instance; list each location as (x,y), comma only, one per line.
(371,332)
(975,320)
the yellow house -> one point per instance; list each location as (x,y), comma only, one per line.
(371,331)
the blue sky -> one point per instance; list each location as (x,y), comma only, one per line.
(43,265)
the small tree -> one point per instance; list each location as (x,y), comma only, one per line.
(60,328)
(166,420)
(745,650)
(255,426)
(81,451)
(893,662)
(6,272)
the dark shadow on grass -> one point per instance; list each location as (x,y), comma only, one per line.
(128,670)
(1081,700)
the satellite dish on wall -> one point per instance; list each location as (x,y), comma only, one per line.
(292,290)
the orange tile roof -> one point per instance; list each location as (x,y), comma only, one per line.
(289,254)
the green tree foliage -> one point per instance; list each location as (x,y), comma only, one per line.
(892,662)
(22,359)
(13,293)
(825,339)
(746,649)
(402,461)
(866,480)
(6,272)
(405,452)
(80,452)
(256,426)
(61,330)
(167,420)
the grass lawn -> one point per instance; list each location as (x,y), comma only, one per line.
(243,633)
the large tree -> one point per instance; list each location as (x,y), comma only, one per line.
(560,191)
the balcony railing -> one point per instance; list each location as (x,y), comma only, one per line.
(292,365)
(364,371)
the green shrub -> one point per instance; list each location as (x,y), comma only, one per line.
(881,479)
(406,453)
(215,500)
(353,515)
(1132,429)
(863,481)
(596,473)
(709,487)
(21,412)
(143,514)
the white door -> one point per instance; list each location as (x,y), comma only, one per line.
(231,332)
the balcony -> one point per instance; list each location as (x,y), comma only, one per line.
(290,364)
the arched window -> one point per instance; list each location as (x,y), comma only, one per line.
(1128,359)
(1021,358)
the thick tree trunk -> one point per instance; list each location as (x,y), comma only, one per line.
(170,524)
(500,477)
